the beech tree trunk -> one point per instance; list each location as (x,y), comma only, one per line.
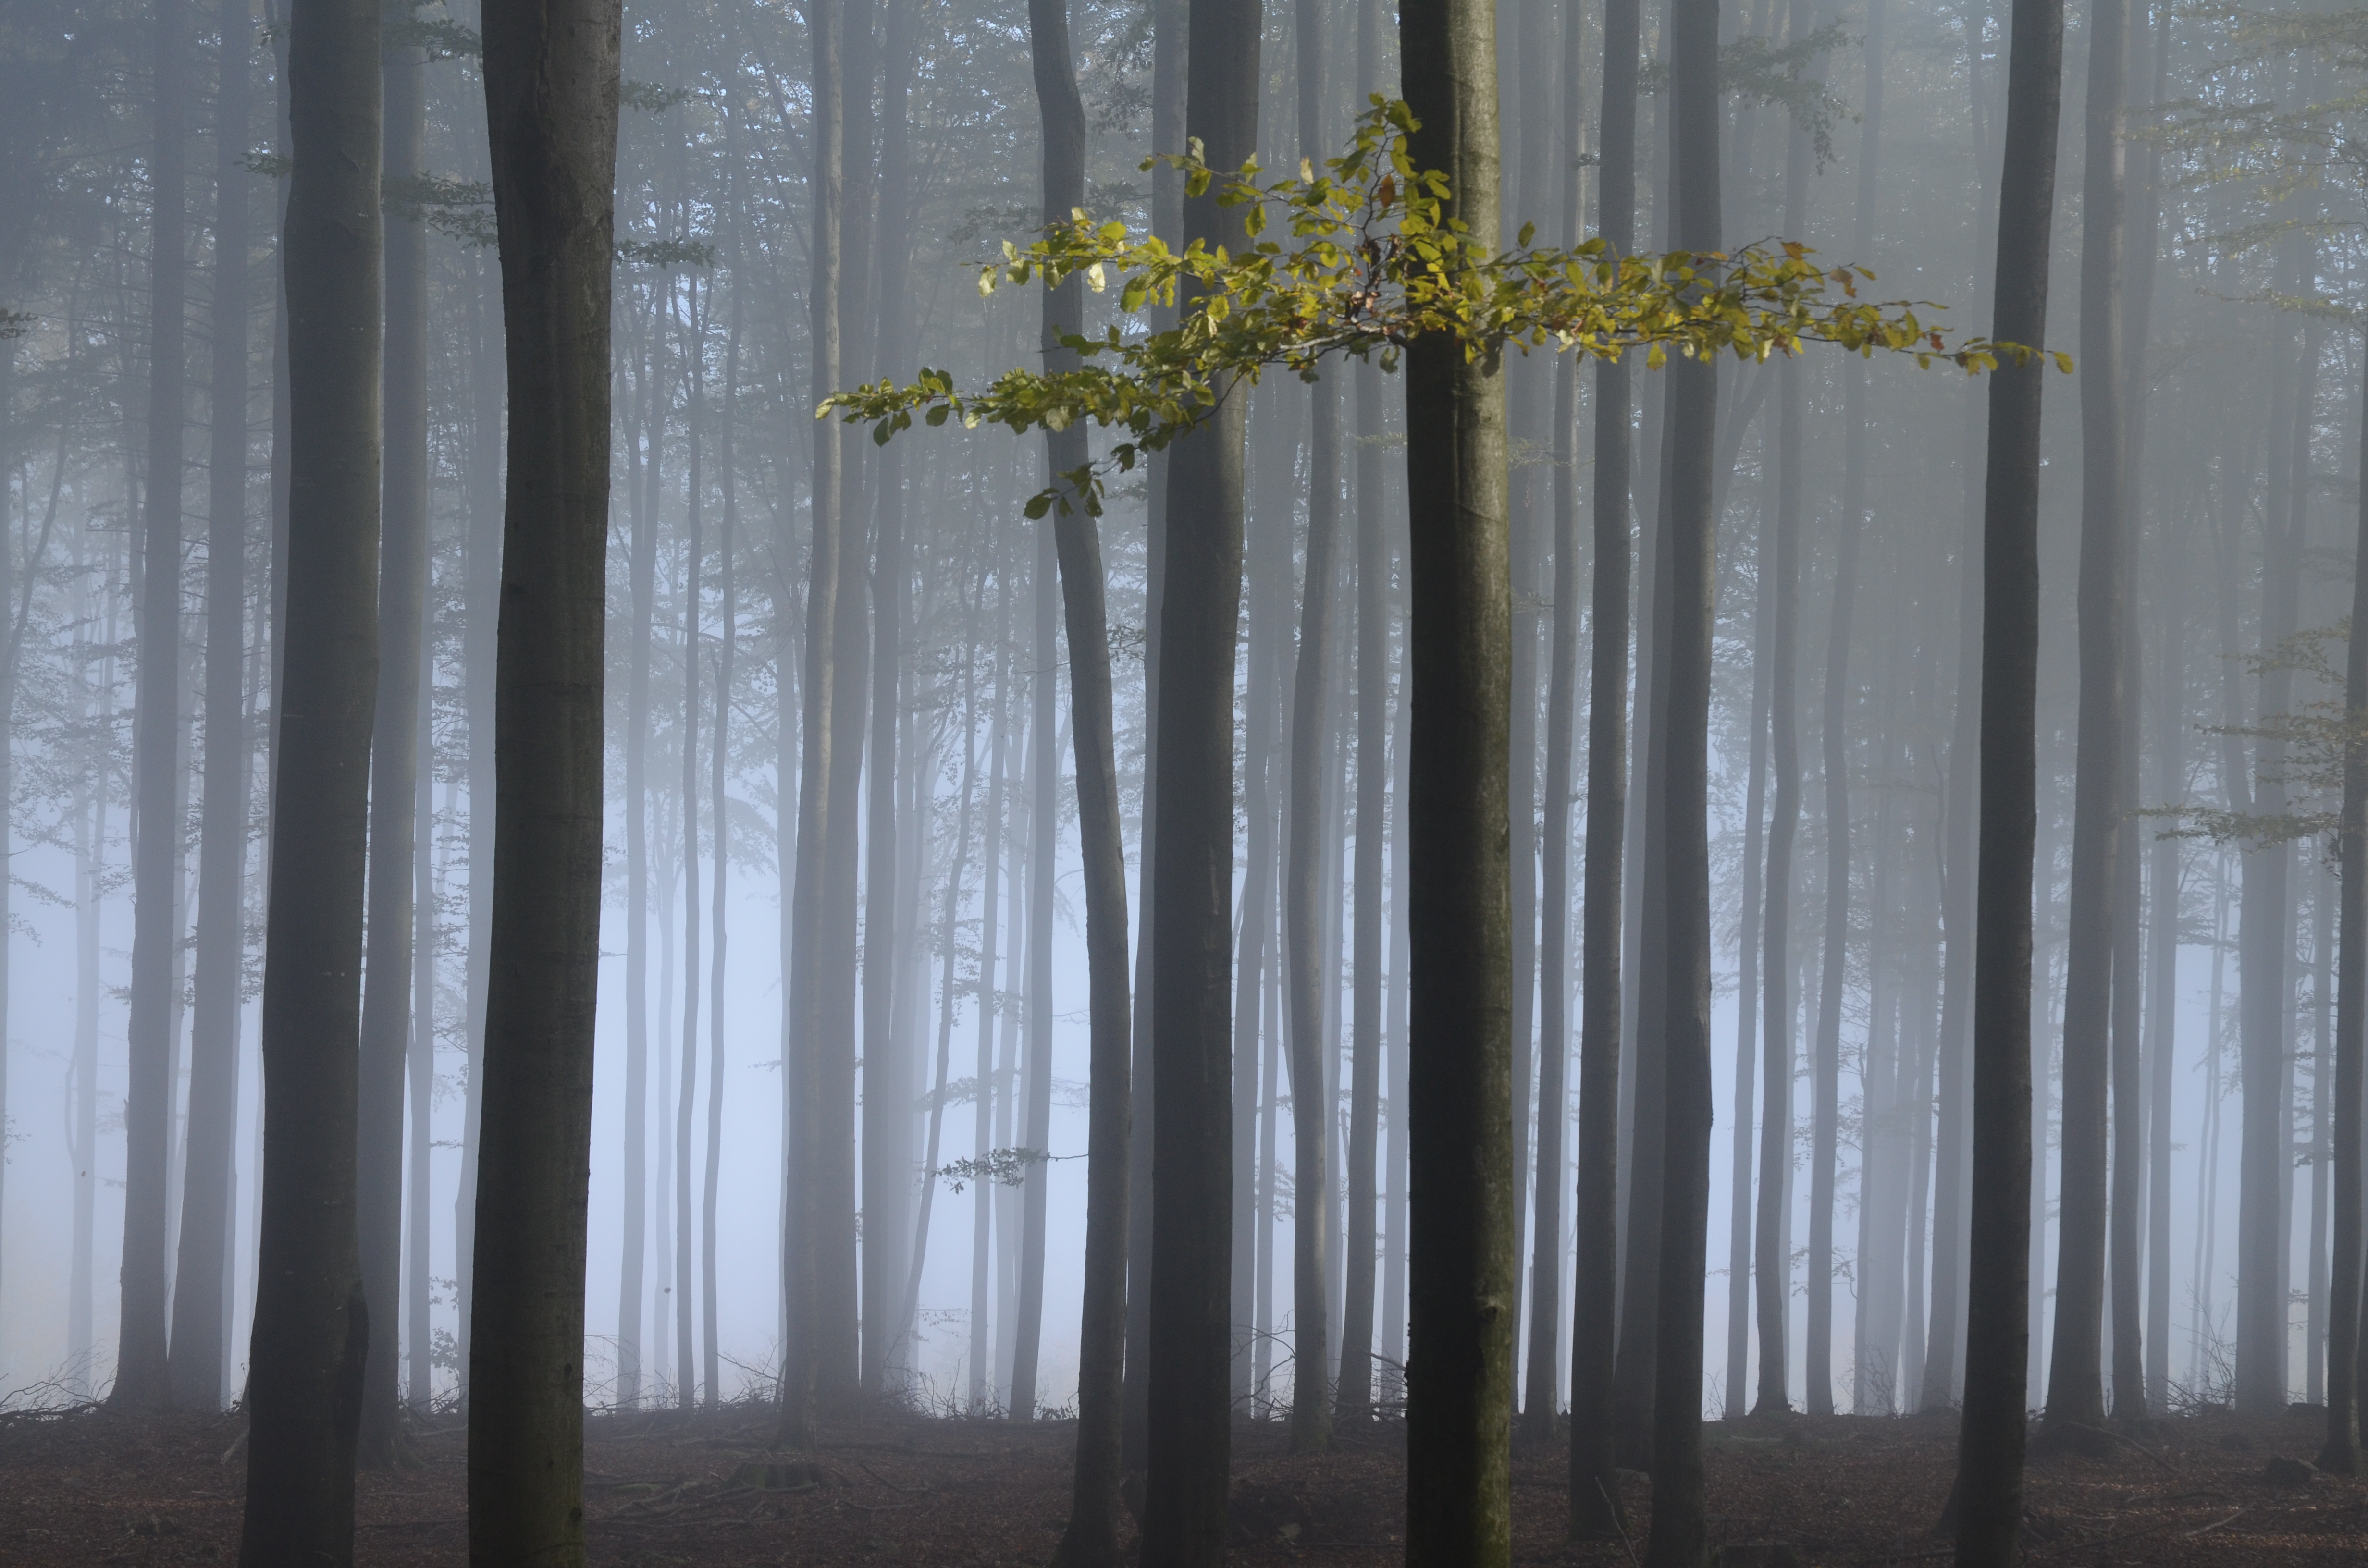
(1464,1273)
(200,1296)
(1679,1536)
(1987,1495)
(1188,1334)
(140,1375)
(1594,1510)
(801,1080)
(396,761)
(1305,896)
(311,1325)
(550,97)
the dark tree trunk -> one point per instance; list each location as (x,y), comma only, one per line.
(1168,19)
(1771,1251)
(802,1016)
(1594,1479)
(394,763)
(141,1376)
(551,96)
(1987,1497)
(305,1381)
(1680,1533)
(1465,1275)
(200,1322)
(2076,1389)
(982,1341)
(1562,715)
(2341,1452)
(1305,897)
(1741,1221)
(1188,1335)
(1091,1537)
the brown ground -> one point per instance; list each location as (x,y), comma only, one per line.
(89,1487)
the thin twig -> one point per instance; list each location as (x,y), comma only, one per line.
(1617,1522)
(2217,1523)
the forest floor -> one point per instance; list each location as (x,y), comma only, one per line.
(88,1486)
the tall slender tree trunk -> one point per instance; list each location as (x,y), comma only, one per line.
(726,647)
(312,1321)
(1189,1335)
(1771,1253)
(1988,1491)
(1306,897)
(981,1341)
(199,1322)
(479,655)
(426,889)
(1168,19)
(2075,1389)
(394,762)
(2340,1454)
(1741,1220)
(1562,716)
(1465,1275)
(550,97)
(694,367)
(1595,1507)
(801,1016)
(1825,1090)
(141,1374)
(888,1065)
(1689,563)
(642,580)
(1043,844)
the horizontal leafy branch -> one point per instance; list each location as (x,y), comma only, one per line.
(1370,262)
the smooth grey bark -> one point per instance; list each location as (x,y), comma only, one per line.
(982,1341)
(551,100)
(142,1379)
(1679,1537)
(479,654)
(1562,703)
(641,576)
(1168,67)
(1988,1495)
(1044,847)
(888,1065)
(1771,1253)
(1595,1507)
(312,1322)
(200,1322)
(1188,1334)
(802,1082)
(1825,1111)
(1464,1272)
(1306,896)
(694,368)
(396,760)
(726,647)
(2075,1391)
(1741,1219)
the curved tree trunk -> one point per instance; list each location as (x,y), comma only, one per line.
(304,1383)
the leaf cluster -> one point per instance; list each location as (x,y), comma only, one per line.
(1361,261)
